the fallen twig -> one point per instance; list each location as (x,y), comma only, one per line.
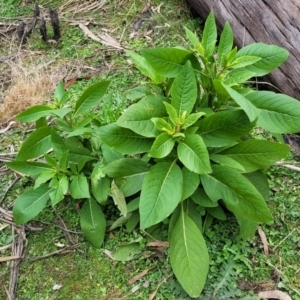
(9,187)
(58,252)
(287,165)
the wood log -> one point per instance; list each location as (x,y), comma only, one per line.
(268,21)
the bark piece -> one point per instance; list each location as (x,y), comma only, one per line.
(267,21)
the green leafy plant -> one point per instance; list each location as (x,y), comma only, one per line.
(177,158)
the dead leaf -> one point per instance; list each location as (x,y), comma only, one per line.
(152,296)
(135,288)
(274,295)
(70,82)
(110,41)
(158,244)
(59,245)
(7,258)
(87,32)
(139,276)
(264,241)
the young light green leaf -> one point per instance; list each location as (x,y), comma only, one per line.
(138,116)
(161,193)
(162,146)
(169,61)
(194,41)
(209,37)
(127,252)
(92,222)
(193,153)
(123,140)
(237,77)
(237,192)
(256,154)
(191,181)
(29,204)
(173,115)
(59,92)
(278,113)
(131,184)
(28,168)
(243,61)
(224,128)
(162,125)
(100,188)
(184,90)
(227,161)
(64,160)
(192,119)
(91,96)
(188,255)
(272,57)
(143,65)
(38,142)
(118,198)
(251,111)
(225,44)
(79,187)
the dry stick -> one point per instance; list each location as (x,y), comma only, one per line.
(7,190)
(287,165)
(61,251)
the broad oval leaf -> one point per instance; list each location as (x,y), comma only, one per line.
(193,153)
(162,146)
(237,192)
(251,111)
(79,187)
(188,255)
(123,140)
(161,193)
(224,128)
(169,61)
(272,57)
(184,90)
(38,142)
(138,116)
(91,96)
(92,222)
(278,113)
(29,204)
(256,154)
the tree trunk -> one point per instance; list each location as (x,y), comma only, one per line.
(269,21)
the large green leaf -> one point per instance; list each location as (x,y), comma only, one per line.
(251,111)
(138,116)
(193,153)
(237,192)
(92,222)
(224,128)
(227,161)
(38,142)
(143,65)
(184,90)
(109,155)
(169,61)
(226,43)
(191,181)
(125,167)
(209,37)
(202,199)
(29,204)
(162,146)
(28,168)
(188,255)
(256,154)
(278,113)
(79,187)
(123,140)
(161,193)
(272,57)
(131,184)
(100,188)
(91,96)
